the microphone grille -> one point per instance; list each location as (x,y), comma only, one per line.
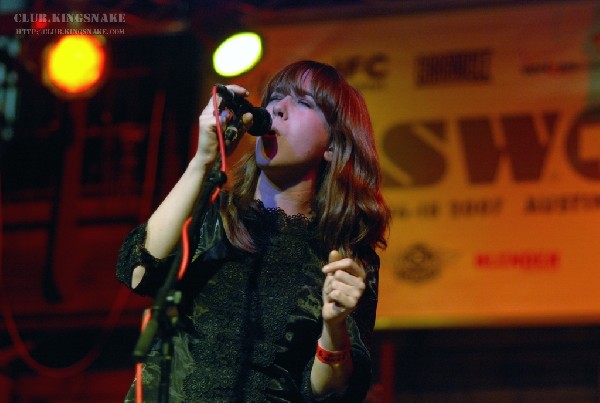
(261,123)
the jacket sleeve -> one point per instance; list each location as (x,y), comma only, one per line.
(209,244)
(132,254)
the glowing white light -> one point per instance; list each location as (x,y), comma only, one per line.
(237,54)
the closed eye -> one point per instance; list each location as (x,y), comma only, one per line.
(307,101)
(275,98)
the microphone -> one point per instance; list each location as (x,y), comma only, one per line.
(261,122)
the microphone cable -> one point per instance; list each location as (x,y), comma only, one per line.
(185,243)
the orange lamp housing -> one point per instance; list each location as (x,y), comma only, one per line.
(74,65)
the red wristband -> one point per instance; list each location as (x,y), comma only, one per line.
(331,357)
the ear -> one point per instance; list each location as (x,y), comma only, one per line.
(328,155)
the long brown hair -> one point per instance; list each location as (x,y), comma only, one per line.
(350,211)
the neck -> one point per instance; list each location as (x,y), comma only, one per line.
(293,199)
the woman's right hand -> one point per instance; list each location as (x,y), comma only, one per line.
(207,130)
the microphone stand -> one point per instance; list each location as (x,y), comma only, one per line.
(164,313)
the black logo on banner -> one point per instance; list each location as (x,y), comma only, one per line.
(417,264)
(421,149)
(454,68)
(366,72)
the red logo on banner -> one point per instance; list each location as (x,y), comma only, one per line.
(518,260)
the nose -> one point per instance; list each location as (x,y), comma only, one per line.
(280,108)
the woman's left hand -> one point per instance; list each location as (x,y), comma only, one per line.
(344,285)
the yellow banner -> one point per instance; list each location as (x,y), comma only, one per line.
(488,127)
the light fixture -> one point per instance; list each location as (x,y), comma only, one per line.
(237,54)
(74,65)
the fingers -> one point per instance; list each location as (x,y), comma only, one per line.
(247,120)
(339,300)
(207,119)
(214,118)
(238,89)
(343,286)
(343,289)
(336,263)
(334,256)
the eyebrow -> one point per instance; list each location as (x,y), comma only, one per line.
(303,93)
(291,89)
(294,93)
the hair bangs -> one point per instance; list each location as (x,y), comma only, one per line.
(321,82)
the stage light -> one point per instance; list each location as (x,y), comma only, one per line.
(74,65)
(237,54)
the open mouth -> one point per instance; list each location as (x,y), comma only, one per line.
(269,141)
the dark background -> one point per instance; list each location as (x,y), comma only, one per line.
(68,328)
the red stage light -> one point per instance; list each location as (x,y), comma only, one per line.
(74,65)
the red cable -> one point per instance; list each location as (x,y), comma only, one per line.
(185,248)
(222,150)
(139,391)
(221,138)
(185,241)
(118,305)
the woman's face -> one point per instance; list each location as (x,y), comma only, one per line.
(299,138)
